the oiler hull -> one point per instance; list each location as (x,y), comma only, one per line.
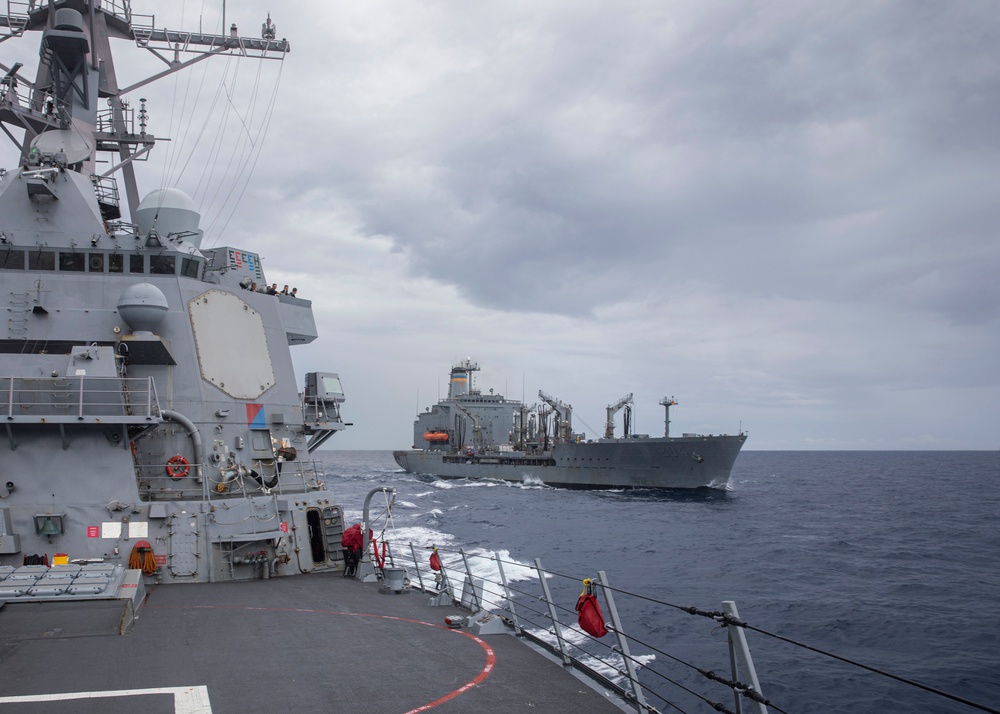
(669,463)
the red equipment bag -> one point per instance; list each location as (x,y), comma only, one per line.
(352,538)
(590,617)
(435,560)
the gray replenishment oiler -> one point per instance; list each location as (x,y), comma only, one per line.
(474,435)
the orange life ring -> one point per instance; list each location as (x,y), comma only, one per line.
(177,467)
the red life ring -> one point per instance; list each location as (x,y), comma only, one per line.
(177,467)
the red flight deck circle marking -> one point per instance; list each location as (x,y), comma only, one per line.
(478,679)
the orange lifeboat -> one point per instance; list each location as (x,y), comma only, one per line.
(440,436)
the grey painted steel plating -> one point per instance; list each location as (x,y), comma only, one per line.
(147,395)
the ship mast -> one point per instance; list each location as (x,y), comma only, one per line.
(77,70)
(667,402)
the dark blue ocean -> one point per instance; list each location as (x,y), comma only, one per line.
(888,558)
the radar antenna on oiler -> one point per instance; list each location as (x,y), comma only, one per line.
(667,402)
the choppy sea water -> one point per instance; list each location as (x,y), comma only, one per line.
(887,558)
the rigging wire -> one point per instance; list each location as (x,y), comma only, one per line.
(201,131)
(174,174)
(239,156)
(262,132)
(208,170)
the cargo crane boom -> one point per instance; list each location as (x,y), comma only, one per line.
(609,427)
(564,415)
(477,432)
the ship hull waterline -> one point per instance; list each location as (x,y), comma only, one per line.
(655,463)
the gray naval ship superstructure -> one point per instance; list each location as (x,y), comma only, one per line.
(475,435)
(151,412)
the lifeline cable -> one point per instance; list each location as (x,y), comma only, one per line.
(904,680)
(729,620)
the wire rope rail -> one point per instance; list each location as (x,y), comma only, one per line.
(536,605)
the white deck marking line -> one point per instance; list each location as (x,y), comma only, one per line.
(187,700)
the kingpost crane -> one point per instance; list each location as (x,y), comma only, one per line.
(564,415)
(609,427)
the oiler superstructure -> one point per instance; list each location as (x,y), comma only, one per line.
(474,435)
(150,409)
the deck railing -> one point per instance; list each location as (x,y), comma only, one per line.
(107,400)
(538,605)
(208,482)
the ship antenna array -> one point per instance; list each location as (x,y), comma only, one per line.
(667,402)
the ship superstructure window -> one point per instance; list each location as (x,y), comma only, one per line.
(161,264)
(12,260)
(41,260)
(116,263)
(135,263)
(189,268)
(71,262)
(95,262)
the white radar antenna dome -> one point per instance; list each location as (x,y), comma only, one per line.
(143,307)
(172,213)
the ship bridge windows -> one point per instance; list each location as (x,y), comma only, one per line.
(11,259)
(41,260)
(71,262)
(162,265)
(99,262)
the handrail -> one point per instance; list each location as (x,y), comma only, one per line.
(106,399)
(539,616)
(533,612)
(156,484)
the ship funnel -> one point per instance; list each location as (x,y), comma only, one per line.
(461,378)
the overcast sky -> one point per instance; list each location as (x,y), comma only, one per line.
(783,214)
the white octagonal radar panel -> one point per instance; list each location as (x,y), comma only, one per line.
(231,344)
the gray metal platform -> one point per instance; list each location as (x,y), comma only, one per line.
(311,643)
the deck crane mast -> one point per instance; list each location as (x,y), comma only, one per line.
(609,426)
(477,432)
(564,416)
(524,425)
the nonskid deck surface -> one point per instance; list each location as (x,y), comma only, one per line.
(312,643)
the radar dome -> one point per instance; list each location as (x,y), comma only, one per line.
(143,307)
(169,211)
